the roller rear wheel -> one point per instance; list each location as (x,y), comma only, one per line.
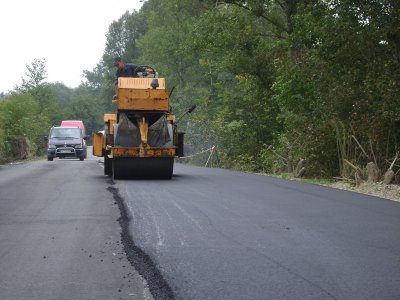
(107,165)
(142,168)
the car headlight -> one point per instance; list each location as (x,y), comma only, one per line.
(52,146)
(78,146)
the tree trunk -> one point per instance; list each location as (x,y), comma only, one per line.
(373,172)
(20,147)
(290,165)
(389,175)
(357,177)
(299,171)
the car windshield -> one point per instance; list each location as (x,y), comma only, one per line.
(74,133)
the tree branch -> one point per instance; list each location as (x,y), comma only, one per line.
(391,166)
(362,149)
(268,19)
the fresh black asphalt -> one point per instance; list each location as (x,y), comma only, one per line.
(69,232)
(218,234)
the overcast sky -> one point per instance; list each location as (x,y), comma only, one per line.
(69,35)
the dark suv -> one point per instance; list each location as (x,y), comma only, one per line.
(66,142)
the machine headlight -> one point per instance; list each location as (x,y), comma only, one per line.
(52,146)
(78,146)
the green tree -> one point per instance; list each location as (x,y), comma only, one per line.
(274,81)
(19,117)
(339,76)
(36,85)
(84,106)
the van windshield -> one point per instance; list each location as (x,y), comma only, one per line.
(73,133)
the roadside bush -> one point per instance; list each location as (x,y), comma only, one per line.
(20,124)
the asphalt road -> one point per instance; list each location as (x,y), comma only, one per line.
(217,234)
(60,237)
(69,232)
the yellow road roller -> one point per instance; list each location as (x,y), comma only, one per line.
(140,139)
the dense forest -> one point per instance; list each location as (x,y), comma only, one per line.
(276,82)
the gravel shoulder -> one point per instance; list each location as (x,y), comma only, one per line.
(387,191)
